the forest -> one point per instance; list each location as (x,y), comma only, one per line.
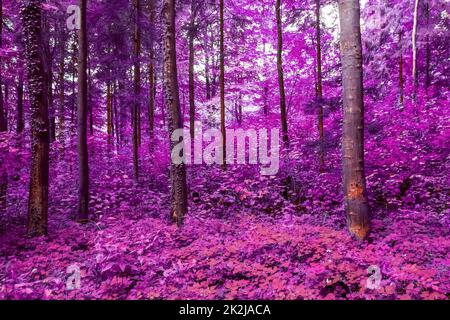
(224,149)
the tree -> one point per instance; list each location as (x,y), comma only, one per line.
(355,198)
(151,77)
(222,87)
(19,89)
(284,127)
(3,124)
(31,16)
(191,34)
(137,88)
(414,46)
(177,171)
(400,67)
(83,164)
(319,88)
(3,141)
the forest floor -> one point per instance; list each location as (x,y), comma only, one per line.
(131,250)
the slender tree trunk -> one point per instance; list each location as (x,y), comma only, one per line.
(3,141)
(137,88)
(414,48)
(62,47)
(400,67)
(90,104)
(31,15)
(116,116)
(356,204)
(177,171)
(83,164)
(151,79)
(191,71)
(319,90)
(20,123)
(74,71)
(428,49)
(109,112)
(207,71)
(3,121)
(222,87)
(284,127)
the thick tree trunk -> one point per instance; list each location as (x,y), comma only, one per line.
(49,78)
(284,126)
(137,88)
(34,53)
(319,90)
(356,204)
(177,171)
(191,71)
(83,164)
(222,87)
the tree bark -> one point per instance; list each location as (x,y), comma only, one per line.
(62,47)
(222,87)
(31,16)
(414,47)
(284,126)
(400,68)
(20,123)
(319,90)
(108,112)
(177,171)
(151,80)
(3,140)
(428,49)
(356,204)
(191,71)
(137,88)
(3,124)
(83,164)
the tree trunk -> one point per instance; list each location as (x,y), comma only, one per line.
(3,141)
(414,47)
(116,116)
(400,67)
(177,171)
(109,112)
(319,90)
(3,124)
(62,47)
(151,78)
(20,123)
(191,71)
(284,127)
(222,88)
(356,205)
(83,164)
(38,197)
(137,88)
(428,49)
(207,72)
